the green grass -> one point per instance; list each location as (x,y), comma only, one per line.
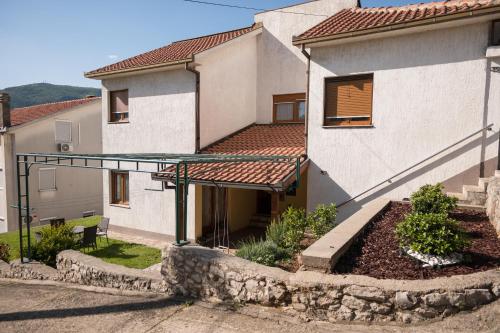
(117,252)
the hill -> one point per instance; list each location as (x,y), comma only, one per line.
(39,93)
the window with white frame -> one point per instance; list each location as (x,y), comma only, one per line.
(63,131)
(47,179)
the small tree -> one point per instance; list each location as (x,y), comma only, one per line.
(431,234)
(322,219)
(431,199)
(53,241)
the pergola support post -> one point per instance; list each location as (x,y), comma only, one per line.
(19,207)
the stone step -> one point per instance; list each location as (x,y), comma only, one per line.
(478,208)
(260,221)
(472,188)
(458,195)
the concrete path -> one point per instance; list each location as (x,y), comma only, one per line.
(46,308)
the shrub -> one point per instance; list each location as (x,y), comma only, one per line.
(276,232)
(322,219)
(261,252)
(295,222)
(4,251)
(53,241)
(431,234)
(431,199)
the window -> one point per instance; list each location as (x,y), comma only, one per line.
(47,179)
(63,131)
(118,106)
(495,33)
(290,108)
(119,188)
(348,100)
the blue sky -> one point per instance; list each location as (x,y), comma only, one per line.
(55,41)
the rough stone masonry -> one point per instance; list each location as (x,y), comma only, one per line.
(212,275)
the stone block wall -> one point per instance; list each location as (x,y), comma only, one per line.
(493,202)
(212,275)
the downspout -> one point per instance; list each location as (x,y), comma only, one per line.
(308,56)
(197,108)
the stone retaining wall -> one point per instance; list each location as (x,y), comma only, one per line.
(27,271)
(212,275)
(76,267)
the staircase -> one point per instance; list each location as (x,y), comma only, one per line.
(474,196)
(260,221)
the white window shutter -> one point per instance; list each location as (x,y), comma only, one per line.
(63,131)
(47,179)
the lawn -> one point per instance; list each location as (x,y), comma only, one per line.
(117,252)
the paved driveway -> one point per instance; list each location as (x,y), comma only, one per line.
(44,308)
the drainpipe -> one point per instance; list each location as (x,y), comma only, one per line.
(197,107)
(308,56)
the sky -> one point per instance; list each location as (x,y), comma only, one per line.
(56,41)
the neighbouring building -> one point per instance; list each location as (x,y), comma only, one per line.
(236,92)
(70,126)
(390,87)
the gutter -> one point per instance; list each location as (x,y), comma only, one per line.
(398,26)
(306,131)
(197,108)
(91,75)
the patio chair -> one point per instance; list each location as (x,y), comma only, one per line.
(55,223)
(89,237)
(102,228)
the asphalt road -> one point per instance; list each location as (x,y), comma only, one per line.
(48,308)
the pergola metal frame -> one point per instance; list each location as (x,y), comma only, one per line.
(24,161)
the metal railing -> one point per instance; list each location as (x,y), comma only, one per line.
(388,180)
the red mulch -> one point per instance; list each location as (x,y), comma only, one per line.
(376,252)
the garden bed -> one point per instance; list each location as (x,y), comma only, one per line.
(377,253)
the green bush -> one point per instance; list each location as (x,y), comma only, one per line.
(53,241)
(295,222)
(276,232)
(4,251)
(431,199)
(431,234)
(322,219)
(262,252)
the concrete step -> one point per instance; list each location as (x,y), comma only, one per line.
(458,195)
(472,207)
(260,221)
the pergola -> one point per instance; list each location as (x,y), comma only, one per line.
(141,163)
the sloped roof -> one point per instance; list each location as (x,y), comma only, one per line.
(24,115)
(180,51)
(283,139)
(354,20)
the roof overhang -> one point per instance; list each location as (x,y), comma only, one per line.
(173,65)
(440,22)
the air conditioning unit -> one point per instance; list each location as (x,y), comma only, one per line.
(65,147)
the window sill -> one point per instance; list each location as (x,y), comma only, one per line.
(48,190)
(120,205)
(493,51)
(348,126)
(118,122)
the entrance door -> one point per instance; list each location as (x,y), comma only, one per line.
(263,203)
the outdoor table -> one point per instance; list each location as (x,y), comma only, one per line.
(78,229)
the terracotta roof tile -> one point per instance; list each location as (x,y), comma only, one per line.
(177,51)
(286,139)
(20,116)
(359,19)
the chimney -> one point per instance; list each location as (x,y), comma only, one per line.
(4,110)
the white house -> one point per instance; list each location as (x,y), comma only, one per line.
(54,127)
(391,87)
(236,92)
(387,91)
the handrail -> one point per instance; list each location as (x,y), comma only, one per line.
(417,164)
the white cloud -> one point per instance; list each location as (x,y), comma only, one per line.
(112,56)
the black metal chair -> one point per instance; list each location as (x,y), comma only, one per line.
(55,223)
(102,228)
(89,237)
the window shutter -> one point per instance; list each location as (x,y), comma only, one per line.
(349,101)
(63,131)
(118,105)
(47,179)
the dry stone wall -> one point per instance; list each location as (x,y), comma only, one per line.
(212,275)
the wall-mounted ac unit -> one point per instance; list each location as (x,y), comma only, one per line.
(65,147)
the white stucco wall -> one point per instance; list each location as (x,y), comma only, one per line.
(161,120)
(228,95)
(281,66)
(430,90)
(78,190)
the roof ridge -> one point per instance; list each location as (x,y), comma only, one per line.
(214,34)
(60,102)
(421,5)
